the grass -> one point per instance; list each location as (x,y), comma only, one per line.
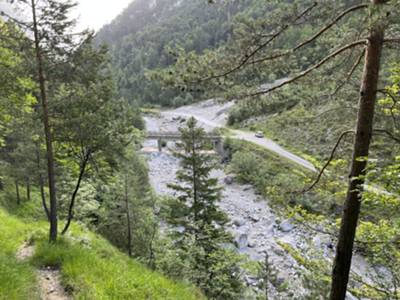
(278,179)
(150,111)
(28,210)
(91,268)
(17,279)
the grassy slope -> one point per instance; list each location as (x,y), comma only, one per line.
(17,280)
(91,268)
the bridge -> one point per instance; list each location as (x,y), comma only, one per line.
(217,140)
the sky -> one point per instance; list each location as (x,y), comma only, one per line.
(91,14)
(96,13)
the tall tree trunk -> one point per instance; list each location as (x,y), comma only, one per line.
(266,276)
(194,180)
(152,257)
(28,189)
(78,184)
(41,183)
(344,250)
(49,141)
(43,196)
(128,218)
(17,192)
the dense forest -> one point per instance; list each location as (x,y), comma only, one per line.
(141,37)
(201,150)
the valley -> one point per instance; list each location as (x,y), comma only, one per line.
(257,227)
(120,180)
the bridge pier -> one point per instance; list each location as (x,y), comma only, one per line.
(159,144)
(219,147)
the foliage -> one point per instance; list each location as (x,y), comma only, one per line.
(112,219)
(315,272)
(143,36)
(91,127)
(16,96)
(91,268)
(17,279)
(278,180)
(199,222)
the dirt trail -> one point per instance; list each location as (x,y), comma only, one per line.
(49,278)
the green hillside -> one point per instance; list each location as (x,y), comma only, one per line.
(90,267)
(140,37)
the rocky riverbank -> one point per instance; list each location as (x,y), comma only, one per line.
(256,227)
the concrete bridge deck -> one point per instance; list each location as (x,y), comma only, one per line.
(170,135)
(161,136)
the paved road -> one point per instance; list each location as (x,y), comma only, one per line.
(247,136)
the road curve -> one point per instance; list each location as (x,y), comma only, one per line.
(247,136)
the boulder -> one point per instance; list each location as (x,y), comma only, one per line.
(228,180)
(252,244)
(255,218)
(241,241)
(247,188)
(238,222)
(286,226)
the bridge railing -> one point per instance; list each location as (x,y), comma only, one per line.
(175,135)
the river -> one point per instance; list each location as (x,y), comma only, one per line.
(256,227)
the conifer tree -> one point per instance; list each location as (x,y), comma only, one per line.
(239,71)
(50,33)
(196,212)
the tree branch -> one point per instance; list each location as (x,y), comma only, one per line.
(272,37)
(328,162)
(392,40)
(309,70)
(351,72)
(315,36)
(247,58)
(388,134)
(72,203)
(16,21)
(327,27)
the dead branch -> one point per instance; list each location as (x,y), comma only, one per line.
(351,72)
(328,162)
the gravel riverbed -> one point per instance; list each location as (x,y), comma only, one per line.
(256,227)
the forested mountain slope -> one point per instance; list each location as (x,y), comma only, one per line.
(323,51)
(148,35)
(140,36)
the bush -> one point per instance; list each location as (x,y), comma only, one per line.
(246,166)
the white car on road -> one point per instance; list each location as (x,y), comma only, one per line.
(259,134)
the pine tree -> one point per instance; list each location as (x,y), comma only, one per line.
(239,70)
(196,212)
(50,33)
